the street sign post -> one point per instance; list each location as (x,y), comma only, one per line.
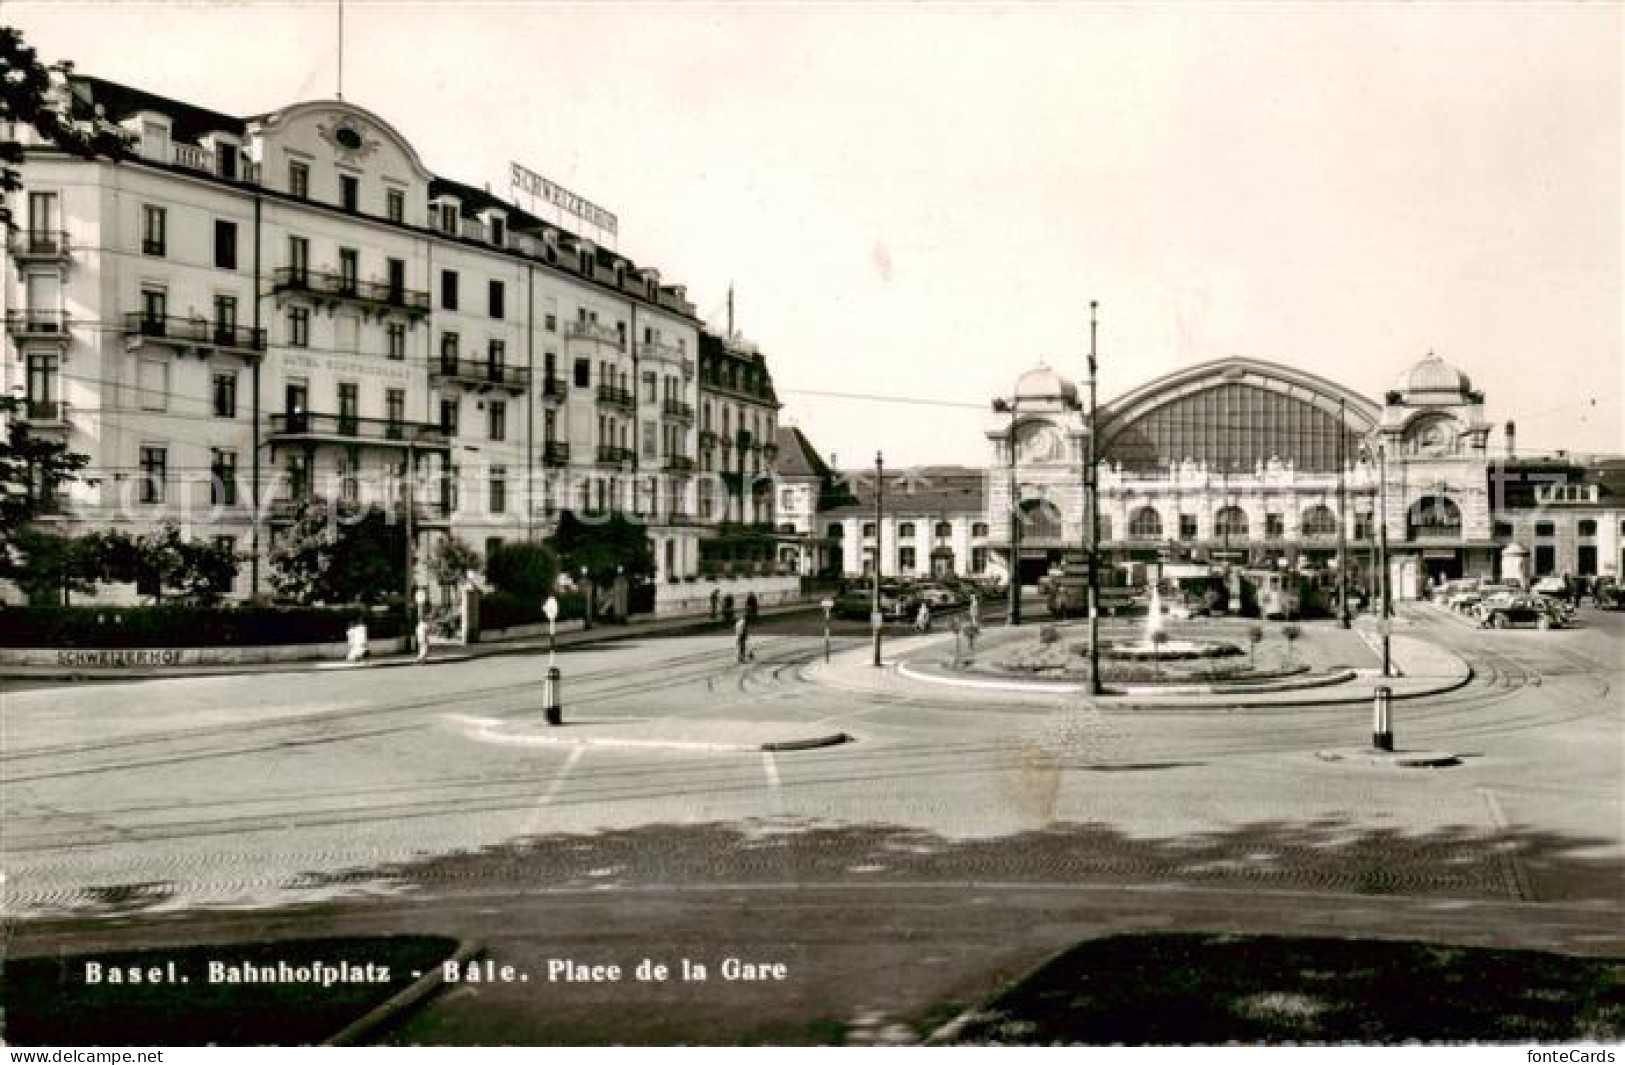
(828,604)
(550,692)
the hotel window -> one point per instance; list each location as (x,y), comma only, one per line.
(448,218)
(42,381)
(448,289)
(650,386)
(349,270)
(395,205)
(551,323)
(349,407)
(225,244)
(498,412)
(448,415)
(550,425)
(1274,526)
(905,531)
(979,529)
(225,395)
(299,327)
(154,227)
(1545,528)
(499,302)
(222,478)
(1588,527)
(905,559)
(298,259)
(153,383)
(298,179)
(349,468)
(868,530)
(978,560)
(350,192)
(499,489)
(225,320)
(583,373)
(944,529)
(397,341)
(395,411)
(499,232)
(154,474)
(1503,530)
(1187,526)
(154,311)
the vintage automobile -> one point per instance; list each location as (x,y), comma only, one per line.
(1501,613)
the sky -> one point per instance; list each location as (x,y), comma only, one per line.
(920,200)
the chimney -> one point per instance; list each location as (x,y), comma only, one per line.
(1512,439)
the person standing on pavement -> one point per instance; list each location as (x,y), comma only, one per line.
(742,638)
(422,635)
(356,634)
(922,620)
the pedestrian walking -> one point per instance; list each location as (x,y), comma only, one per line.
(422,635)
(975,606)
(922,620)
(356,634)
(715,597)
(742,638)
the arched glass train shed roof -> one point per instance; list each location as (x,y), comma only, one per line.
(1233,414)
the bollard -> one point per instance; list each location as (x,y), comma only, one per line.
(1382,726)
(550,697)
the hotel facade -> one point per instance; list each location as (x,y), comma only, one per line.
(247,313)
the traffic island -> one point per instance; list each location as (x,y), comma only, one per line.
(1389,759)
(659,733)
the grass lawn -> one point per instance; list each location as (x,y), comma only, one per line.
(1197,988)
(52,1001)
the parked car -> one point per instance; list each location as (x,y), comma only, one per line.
(1551,586)
(1521,610)
(937,597)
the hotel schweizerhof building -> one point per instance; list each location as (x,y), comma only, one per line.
(258,310)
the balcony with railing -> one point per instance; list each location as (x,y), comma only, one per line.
(284,509)
(192,157)
(327,286)
(679,464)
(595,332)
(480,374)
(198,335)
(45,413)
(305,427)
(621,398)
(676,408)
(38,245)
(660,350)
(708,438)
(37,324)
(611,455)
(555,389)
(556,453)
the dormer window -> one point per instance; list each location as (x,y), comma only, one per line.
(499,231)
(349,188)
(448,218)
(226,160)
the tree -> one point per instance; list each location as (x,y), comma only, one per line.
(32,470)
(453,560)
(527,570)
(200,570)
(1290,634)
(603,548)
(323,560)
(26,98)
(55,566)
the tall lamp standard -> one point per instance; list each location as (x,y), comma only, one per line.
(874,589)
(1092,480)
(1382,548)
(1002,406)
(1342,520)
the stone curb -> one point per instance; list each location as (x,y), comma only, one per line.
(805,744)
(1323,680)
(387,1011)
(1390,759)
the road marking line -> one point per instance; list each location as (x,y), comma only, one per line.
(535,822)
(770,766)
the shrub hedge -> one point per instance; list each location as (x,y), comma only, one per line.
(499,610)
(184,625)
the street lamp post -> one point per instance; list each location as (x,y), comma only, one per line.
(1092,479)
(874,589)
(1385,624)
(1013,617)
(1342,520)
